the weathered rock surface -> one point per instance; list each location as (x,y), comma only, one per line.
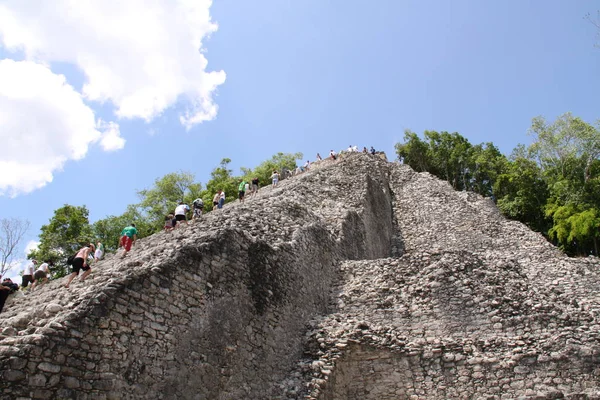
(360,279)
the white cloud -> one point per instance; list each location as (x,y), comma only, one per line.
(111,138)
(143,56)
(43,123)
(31,245)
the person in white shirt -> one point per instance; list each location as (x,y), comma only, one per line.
(181,211)
(41,274)
(99,252)
(221,198)
(216,199)
(28,273)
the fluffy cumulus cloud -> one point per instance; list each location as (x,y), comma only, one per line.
(140,56)
(111,139)
(30,246)
(143,56)
(43,123)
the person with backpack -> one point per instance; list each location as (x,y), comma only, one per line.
(128,238)
(198,206)
(79,262)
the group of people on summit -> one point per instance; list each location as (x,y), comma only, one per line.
(91,254)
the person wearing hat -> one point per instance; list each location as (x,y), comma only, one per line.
(80,263)
(28,273)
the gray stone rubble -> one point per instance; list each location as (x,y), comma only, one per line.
(359,279)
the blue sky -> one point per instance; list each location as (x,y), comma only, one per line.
(307,76)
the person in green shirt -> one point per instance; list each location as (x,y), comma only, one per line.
(128,238)
(242,190)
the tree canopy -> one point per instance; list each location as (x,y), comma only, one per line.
(164,196)
(67,231)
(552,185)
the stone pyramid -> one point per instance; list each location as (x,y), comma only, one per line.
(359,279)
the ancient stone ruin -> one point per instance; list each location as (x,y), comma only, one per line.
(360,279)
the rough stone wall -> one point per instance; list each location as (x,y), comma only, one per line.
(462,327)
(373,374)
(476,307)
(360,279)
(213,310)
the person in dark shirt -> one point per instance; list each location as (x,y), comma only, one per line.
(254,189)
(7,282)
(4,292)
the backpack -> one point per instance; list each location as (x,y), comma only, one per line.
(198,203)
(71,259)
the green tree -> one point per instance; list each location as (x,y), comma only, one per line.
(220,178)
(567,151)
(277,162)
(68,230)
(413,152)
(449,155)
(166,194)
(521,193)
(485,165)
(575,228)
(568,139)
(553,185)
